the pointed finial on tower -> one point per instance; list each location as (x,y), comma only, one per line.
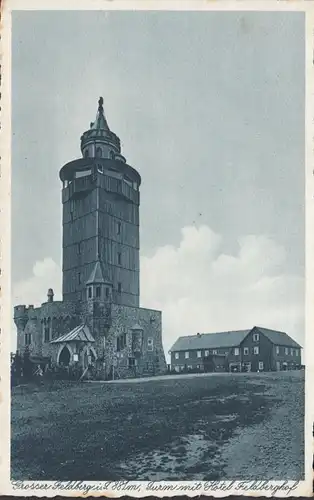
(100,105)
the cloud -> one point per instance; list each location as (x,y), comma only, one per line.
(46,274)
(200,288)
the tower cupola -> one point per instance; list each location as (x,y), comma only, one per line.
(99,141)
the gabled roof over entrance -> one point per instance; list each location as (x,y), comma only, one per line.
(80,333)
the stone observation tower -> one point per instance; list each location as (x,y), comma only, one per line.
(99,322)
(101,199)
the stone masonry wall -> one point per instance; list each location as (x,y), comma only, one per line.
(150,360)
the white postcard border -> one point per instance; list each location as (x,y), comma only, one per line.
(135,488)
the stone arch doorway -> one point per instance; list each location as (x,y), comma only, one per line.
(64,356)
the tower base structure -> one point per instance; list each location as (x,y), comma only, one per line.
(126,342)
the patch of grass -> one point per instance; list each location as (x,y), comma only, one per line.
(84,431)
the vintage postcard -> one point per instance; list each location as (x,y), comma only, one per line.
(157,248)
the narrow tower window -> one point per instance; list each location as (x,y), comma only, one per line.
(86,154)
(89,292)
(119,258)
(97,291)
(98,153)
(28,339)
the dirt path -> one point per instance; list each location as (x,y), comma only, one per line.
(272,445)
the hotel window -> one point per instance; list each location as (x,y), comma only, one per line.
(291,351)
(119,258)
(107,292)
(119,287)
(255,337)
(256,350)
(297,352)
(214,351)
(246,351)
(277,349)
(119,228)
(236,351)
(199,354)
(176,355)
(187,355)
(286,351)
(206,353)
(261,365)
(79,278)
(97,291)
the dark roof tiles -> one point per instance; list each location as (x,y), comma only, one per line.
(210,340)
(229,339)
(278,338)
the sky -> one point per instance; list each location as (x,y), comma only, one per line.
(209,108)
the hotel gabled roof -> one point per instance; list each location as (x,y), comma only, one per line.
(230,339)
(210,340)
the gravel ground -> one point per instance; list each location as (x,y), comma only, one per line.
(215,427)
(274,445)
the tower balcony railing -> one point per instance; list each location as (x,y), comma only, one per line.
(120,187)
(78,186)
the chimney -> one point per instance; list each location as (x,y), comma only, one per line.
(50,295)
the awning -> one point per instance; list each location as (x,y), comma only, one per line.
(80,333)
